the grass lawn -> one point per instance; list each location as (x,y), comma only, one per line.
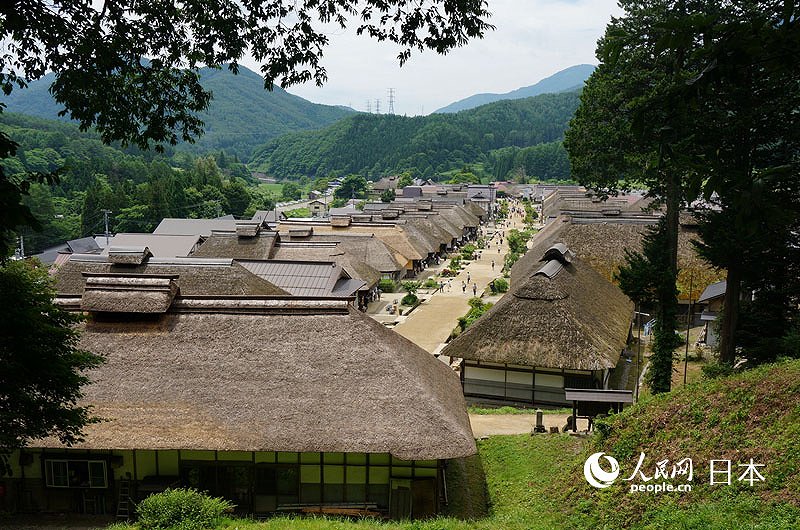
(536,482)
(274,189)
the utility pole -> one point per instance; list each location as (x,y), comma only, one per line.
(377,106)
(21,247)
(369,106)
(688,326)
(391,102)
(105,220)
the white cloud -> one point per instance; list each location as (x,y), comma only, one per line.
(533,39)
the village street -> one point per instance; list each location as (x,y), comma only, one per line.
(430,324)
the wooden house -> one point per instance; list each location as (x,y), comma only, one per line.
(564,326)
(279,404)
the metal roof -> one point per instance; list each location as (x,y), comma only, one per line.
(715,290)
(84,245)
(300,278)
(160,245)
(198,227)
(598,395)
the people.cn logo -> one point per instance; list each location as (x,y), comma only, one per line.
(596,475)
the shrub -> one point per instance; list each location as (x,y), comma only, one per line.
(430,283)
(447,273)
(409,299)
(411,286)
(468,252)
(501,285)
(184,509)
(455,264)
(387,286)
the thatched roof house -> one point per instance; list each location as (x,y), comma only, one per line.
(237,246)
(278,404)
(260,374)
(602,244)
(564,321)
(193,276)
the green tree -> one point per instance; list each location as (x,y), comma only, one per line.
(353,187)
(290,191)
(388,195)
(646,279)
(43,365)
(237,197)
(102,78)
(406,179)
(633,129)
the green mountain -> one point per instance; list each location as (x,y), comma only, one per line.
(569,79)
(373,145)
(242,114)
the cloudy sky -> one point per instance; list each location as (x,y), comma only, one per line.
(532,40)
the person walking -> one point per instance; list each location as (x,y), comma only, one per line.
(474,289)
(463,286)
(492,265)
(468,278)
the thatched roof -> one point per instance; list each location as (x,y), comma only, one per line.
(128,255)
(269,375)
(475,209)
(128,293)
(562,315)
(406,247)
(602,245)
(362,256)
(193,276)
(231,245)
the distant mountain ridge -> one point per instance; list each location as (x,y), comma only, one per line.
(523,135)
(566,80)
(241,116)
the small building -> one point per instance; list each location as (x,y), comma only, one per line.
(318,208)
(712,299)
(564,326)
(278,404)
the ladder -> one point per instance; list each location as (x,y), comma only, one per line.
(124,502)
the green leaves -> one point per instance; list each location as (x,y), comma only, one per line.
(43,366)
(129,68)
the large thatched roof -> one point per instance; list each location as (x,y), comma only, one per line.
(562,315)
(193,276)
(405,247)
(269,375)
(231,245)
(602,245)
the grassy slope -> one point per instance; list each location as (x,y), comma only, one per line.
(537,482)
(755,414)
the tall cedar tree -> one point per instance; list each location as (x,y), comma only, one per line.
(631,130)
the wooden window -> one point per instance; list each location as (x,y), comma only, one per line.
(76,474)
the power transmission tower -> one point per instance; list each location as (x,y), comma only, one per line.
(369,106)
(377,106)
(391,102)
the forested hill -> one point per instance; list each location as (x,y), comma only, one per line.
(500,135)
(242,114)
(566,80)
